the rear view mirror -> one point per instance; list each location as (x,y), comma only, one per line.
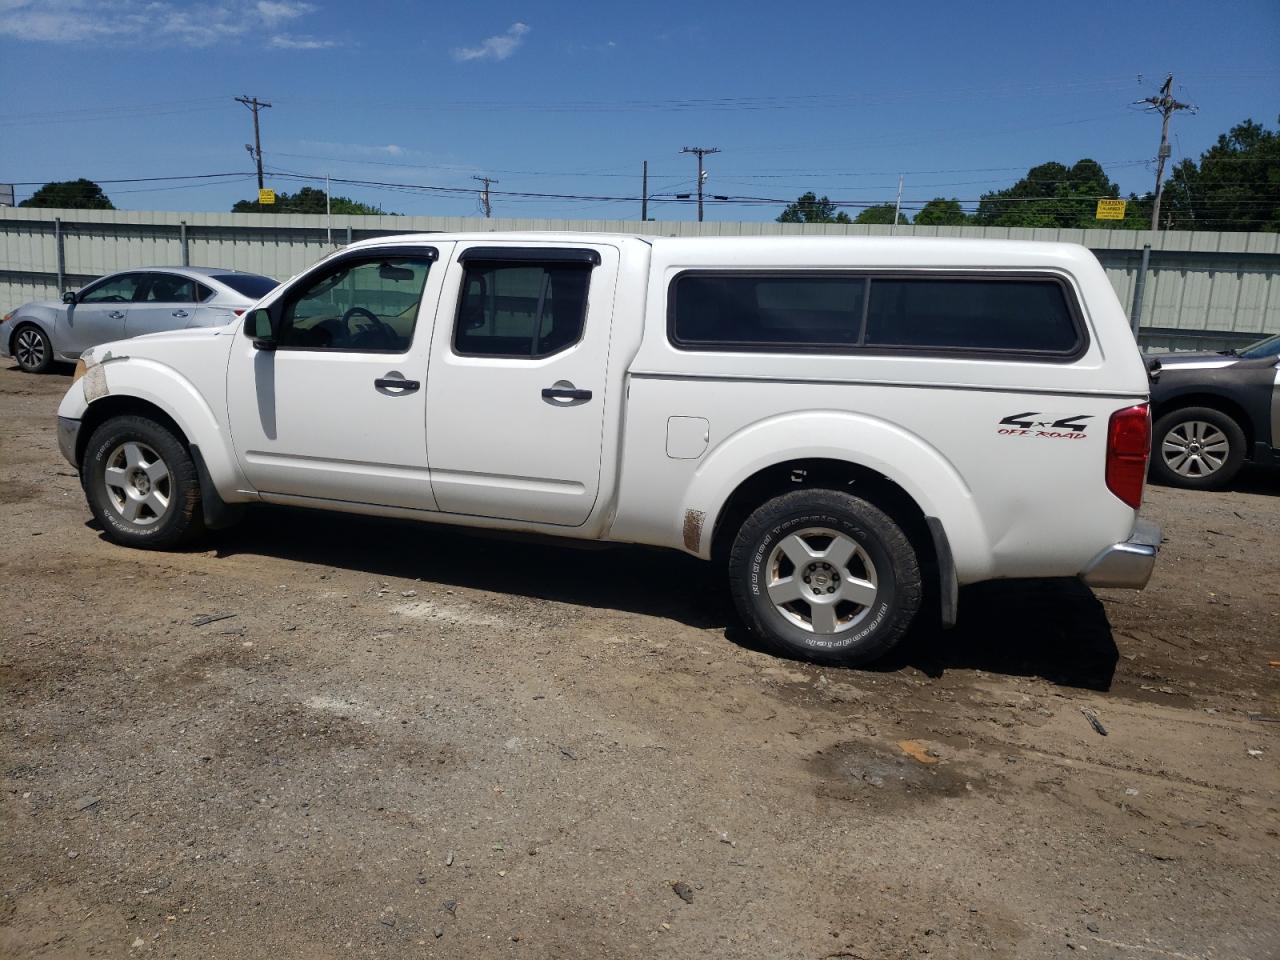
(68,296)
(387,272)
(258,325)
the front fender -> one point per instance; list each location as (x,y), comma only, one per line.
(916,466)
(164,387)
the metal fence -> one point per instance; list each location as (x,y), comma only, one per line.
(1203,289)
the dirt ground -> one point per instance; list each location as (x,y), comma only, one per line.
(403,740)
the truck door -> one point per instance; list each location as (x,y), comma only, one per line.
(516,398)
(336,411)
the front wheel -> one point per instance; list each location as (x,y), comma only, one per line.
(141,483)
(1199,448)
(825,576)
(32,349)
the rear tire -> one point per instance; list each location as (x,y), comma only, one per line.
(141,484)
(825,576)
(1197,448)
(32,349)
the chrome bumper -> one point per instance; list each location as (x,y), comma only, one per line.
(1127,564)
(68,431)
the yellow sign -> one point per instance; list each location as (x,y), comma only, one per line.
(267,195)
(1110,210)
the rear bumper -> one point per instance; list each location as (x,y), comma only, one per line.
(68,433)
(1128,564)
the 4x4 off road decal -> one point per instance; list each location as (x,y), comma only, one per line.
(1050,425)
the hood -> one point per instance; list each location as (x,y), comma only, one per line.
(1192,361)
(152,344)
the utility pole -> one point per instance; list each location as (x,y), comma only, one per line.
(897,205)
(254,104)
(644,192)
(484,195)
(700,152)
(1166,106)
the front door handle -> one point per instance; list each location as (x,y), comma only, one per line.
(395,383)
(116,315)
(181,313)
(564,390)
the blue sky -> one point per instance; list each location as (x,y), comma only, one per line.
(569,98)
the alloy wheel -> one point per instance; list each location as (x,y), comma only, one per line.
(138,484)
(29,348)
(821,580)
(1195,448)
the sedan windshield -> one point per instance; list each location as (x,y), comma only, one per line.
(247,284)
(1269,347)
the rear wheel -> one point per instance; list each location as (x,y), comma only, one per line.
(1199,448)
(32,349)
(141,483)
(825,576)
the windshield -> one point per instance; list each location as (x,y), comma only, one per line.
(247,284)
(1263,348)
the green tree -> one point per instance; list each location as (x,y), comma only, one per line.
(1235,186)
(940,212)
(880,213)
(1053,195)
(810,208)
(308,200)
(79,194)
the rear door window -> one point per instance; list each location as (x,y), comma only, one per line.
(521,309)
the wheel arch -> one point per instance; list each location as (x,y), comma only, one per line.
(880,461)
(153,389)
(1214,401)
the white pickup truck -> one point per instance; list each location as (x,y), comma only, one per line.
(847,424)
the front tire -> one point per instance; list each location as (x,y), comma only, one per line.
(1198,448)
(32,349)
(141,484)
(825,576)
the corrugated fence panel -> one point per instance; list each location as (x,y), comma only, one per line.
(1228,283)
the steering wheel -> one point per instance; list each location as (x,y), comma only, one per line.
(383,331)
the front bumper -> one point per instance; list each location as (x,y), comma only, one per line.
(68,434)
(1128,564)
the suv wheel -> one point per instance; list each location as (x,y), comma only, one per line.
(1197,447)
(825,576)
(141,483)
(32,349)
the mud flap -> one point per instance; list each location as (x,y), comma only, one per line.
(948,585)
(218,514)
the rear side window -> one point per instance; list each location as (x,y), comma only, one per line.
(767,311)
(521,309)
(848,312)
(246,284)
(1025,316)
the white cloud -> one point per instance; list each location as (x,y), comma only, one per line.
(154,22)
(285,42)
(363,150)
(277,11)
(497,47)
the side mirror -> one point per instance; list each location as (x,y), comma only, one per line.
(258,325)
(68,296)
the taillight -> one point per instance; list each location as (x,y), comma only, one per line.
(239,311)
(1128,447)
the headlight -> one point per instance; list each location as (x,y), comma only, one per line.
(81,370)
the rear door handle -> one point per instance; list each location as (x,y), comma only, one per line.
(395,383)
(181,313)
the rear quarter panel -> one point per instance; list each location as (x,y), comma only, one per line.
(973,441)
